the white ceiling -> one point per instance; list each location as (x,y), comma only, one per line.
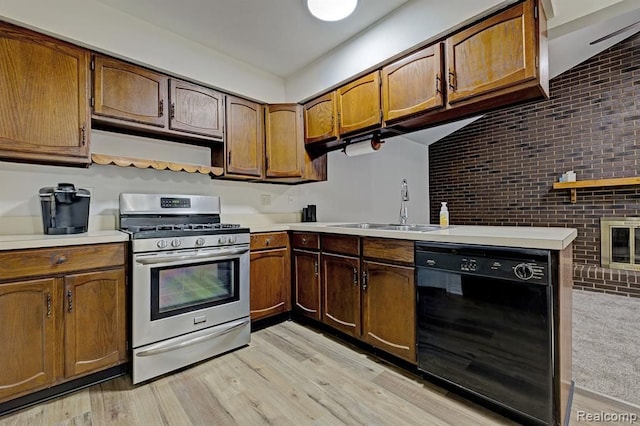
(278,36)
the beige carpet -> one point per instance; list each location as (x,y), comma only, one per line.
(606,344)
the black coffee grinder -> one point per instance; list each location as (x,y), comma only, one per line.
(65,209)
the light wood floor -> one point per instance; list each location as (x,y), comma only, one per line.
(288,375)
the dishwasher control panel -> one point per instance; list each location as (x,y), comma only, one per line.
(518,269)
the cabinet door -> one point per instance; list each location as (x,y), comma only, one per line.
(497,53)
(307,283)
(44,92)
(94,321)
(29,350)
(196,109)
(359,104)
(244,141)
(284,146)
(129,93)
(413,85)
(320,119)
(341,293)
(270,283)
(388,299)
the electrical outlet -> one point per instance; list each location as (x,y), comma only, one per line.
(265,199)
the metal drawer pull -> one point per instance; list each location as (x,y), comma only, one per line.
(355,276)
(48,305)
(315,267)
(59,260)
(172,347)
(304,241)
(70,300)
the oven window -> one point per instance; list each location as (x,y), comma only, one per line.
(179,289)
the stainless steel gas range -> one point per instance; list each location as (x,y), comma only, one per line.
(190,281)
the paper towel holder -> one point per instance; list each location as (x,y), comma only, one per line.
(375,142)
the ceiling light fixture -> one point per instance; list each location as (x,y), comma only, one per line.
(331,10)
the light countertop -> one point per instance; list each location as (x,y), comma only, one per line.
(26,241)
(505,236)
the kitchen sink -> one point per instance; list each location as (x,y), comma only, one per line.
(390,227)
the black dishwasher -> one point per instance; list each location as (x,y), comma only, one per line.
(484,318)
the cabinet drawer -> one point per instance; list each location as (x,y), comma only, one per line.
(269,240)
(305,240)
(343,244)
(388,249)
(51,261)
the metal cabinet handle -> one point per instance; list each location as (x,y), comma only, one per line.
(161,108)
(267,241)
(172,111)
(438,84)
(355,276)
(452,80)
(60,259)
(48,305)
(304,241)
(83,134)
(364,280)
(69,300)
(315,267)
(229,158)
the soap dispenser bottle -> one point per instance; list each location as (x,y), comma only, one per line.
(444,215)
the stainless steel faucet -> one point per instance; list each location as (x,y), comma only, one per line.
(404,194)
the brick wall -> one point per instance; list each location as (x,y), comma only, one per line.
(500,169)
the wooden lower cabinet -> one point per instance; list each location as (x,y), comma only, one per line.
(388,308)
(306,283)
(58,320)
(341,293)
(94,321)
(270,282)
(30,340)
(270,274)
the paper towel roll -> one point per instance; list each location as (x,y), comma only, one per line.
(361,148)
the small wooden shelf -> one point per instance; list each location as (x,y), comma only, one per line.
(595,183)
(155,164)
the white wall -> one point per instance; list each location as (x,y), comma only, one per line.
(94,25)
(359,188)
(367,188)
(414,23)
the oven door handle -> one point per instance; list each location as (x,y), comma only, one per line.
(168,347)
(219,255)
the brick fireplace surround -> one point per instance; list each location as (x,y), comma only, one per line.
(500,169)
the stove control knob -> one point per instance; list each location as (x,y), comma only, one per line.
(176,242)
(200,241)
(222,240)
(232,239)
(161,244)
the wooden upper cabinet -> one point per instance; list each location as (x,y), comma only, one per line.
(494,54)
(320,119)
(196,109)
(283,140)
(244,143)
(359,105)
(44,93)
(29,338)
(94,321)
(128,92)
(413,84)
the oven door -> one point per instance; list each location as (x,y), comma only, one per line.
(181,291)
